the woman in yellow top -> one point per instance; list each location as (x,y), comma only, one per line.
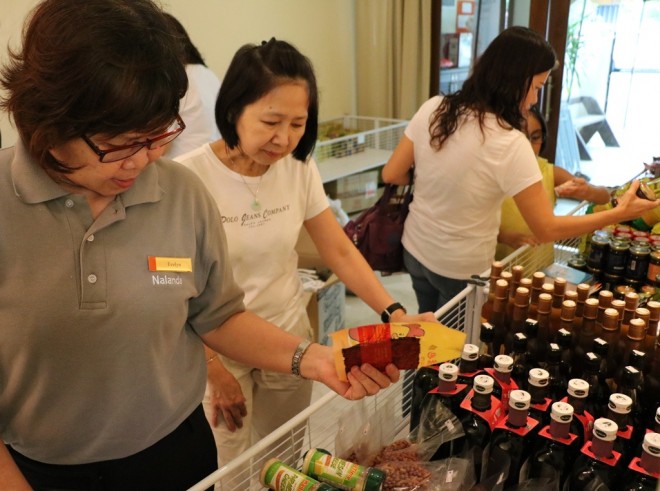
(557,183)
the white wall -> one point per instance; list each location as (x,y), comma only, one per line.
(323,30)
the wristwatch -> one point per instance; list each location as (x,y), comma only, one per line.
(386,315)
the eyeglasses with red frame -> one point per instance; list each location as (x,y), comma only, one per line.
(123,152)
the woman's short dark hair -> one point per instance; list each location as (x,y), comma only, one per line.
(499,82)
(92,67)
(253,72)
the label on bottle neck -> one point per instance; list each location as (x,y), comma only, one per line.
(530,424)
(489,415)
(456,390)
(545,432)
(506,390)
(611,460)
(636,466)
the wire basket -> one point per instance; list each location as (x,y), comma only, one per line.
(350,135)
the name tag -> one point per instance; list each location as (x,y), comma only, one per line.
(179,264)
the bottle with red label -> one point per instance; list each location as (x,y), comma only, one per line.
(582,421)
(442,404)
(468,366)
(478,415)
(644,471)
(504,384)
(598,463)
(538,382)
(556,447)
(513,435)
(619,409)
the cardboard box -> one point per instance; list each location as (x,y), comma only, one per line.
(326,307)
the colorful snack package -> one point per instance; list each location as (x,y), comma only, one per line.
(407,345)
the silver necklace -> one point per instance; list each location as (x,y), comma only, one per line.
(255,205)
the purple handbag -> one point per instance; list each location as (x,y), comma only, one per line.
(377,231)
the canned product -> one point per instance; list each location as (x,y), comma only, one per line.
(617,255)
(654,267)
(637,263)
(598,251)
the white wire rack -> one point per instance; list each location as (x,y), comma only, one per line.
(317,425)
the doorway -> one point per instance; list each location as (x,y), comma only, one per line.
(610,89)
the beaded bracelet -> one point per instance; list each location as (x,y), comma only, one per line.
(297,357)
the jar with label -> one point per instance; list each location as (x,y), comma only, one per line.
(597,253)
(321,465)
(654,267)
(637,264)
(617,255)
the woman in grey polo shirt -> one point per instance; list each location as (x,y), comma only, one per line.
(114,265)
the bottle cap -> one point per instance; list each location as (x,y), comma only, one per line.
(448,372)
(470,352)
(637,359)
(636,329)
(600,347)
(590,308)
(561,412)
(630,377)
(526,282)
(564,338)
(519,342)
(503,363)
(521,298)
(554,352)
(519,399)
(605,429)
(651,443)
(567,309)
(538,377)
(538,279)
(545,300)
(654,309)
(487,332)
(578,388)
(582,291)
(501,287)
(643,313)
(560,285)
(632,300)
(657,415)
(531,328)
(620,403)
(483,384)
(605,298)
(592,362)
(610,319)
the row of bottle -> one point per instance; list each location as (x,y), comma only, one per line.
(558,326)
(536,436)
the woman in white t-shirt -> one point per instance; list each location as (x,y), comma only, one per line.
(267,188)
(470,151)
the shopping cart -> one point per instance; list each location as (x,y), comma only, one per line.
(317,425)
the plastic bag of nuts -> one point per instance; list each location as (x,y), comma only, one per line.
(399,450)
(405,475)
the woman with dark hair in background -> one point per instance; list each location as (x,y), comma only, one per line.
(198,104)
(115,271)
(470,151)
(267,189)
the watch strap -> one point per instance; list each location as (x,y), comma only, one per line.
(386,315)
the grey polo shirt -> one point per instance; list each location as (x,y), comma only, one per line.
(99,319)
